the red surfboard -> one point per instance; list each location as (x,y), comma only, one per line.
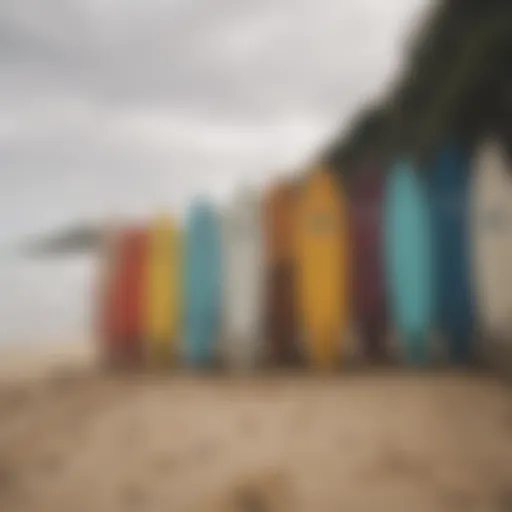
(125,300)
(366,211)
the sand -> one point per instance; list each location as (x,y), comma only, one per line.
(75,439)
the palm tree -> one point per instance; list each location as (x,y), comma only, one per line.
(457,83)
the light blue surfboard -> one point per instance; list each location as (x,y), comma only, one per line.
(450,209)
(202,283)
(409,261)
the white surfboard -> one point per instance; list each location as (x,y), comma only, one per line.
(492,247)
(243,282)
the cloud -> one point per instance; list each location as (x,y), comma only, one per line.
(115,106)
(109,103)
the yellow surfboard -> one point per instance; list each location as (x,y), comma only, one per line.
(162,311)
(322,267)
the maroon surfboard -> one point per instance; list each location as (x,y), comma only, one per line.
(366,214)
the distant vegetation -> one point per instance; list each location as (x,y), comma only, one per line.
(457,84)
(78,239)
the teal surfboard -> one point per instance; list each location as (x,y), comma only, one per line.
(202,284)
(409,260)
(450,209)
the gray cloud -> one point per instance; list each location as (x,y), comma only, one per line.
(115,104)
(110,106)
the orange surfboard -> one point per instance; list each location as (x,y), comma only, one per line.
(279,261)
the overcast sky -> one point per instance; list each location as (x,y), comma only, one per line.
(130,105)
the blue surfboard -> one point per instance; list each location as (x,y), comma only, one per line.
(408,255)
(202,283)
(450,211)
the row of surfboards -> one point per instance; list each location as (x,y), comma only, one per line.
(284,277)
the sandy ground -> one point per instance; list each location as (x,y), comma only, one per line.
(72,439)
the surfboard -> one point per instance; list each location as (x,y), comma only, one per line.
(202,286)
(322,253)
(409,260)
(162,294)
(126,305)
(243,282)
(491,233)
(278,214)
(450,209)
(366,229)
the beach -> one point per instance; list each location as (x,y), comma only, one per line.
(76,438)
